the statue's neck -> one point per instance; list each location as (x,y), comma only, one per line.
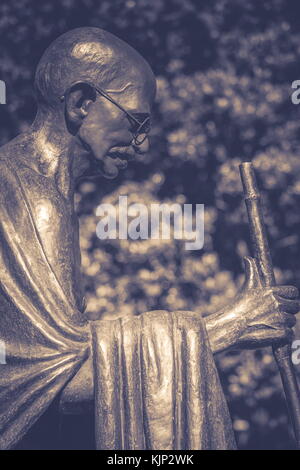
(52,151)
(53,154)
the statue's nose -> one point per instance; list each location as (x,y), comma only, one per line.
(142,148)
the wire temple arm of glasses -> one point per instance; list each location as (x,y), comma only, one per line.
(104,94)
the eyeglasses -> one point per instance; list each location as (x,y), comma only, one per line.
(139,129)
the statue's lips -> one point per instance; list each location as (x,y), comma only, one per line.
(126,155)
(116,159)
(121,159)
(119,162)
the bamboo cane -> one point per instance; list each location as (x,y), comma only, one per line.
(261,251)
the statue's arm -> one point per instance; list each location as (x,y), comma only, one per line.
(224,329)
(255,318)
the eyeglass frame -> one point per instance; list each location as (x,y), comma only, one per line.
(128,114)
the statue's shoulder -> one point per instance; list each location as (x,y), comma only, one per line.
(11,198)
(11,154)
(6,171)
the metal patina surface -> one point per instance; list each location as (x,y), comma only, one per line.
(151,381)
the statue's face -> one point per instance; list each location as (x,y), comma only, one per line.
(109,132)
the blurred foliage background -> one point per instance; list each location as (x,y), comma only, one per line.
(224,70)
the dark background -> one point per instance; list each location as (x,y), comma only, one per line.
(224,69)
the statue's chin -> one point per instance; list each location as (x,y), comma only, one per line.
(108,166)
(111,165)
(110,176)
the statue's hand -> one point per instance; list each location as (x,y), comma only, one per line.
(266,313)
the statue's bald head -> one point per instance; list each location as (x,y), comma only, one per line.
(93,55)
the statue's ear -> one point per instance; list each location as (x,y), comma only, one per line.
(78,99)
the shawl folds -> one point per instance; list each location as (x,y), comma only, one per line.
(45,344)
(156,384)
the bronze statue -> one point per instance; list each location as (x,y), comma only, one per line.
(152,380)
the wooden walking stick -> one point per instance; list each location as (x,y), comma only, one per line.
(261,251)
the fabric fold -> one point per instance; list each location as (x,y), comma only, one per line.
(45,342)
(157,386)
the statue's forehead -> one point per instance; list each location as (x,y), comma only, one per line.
(88,51)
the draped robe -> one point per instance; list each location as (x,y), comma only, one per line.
(44,342)
(156,384)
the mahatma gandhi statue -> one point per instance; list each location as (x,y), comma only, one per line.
(151,380)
